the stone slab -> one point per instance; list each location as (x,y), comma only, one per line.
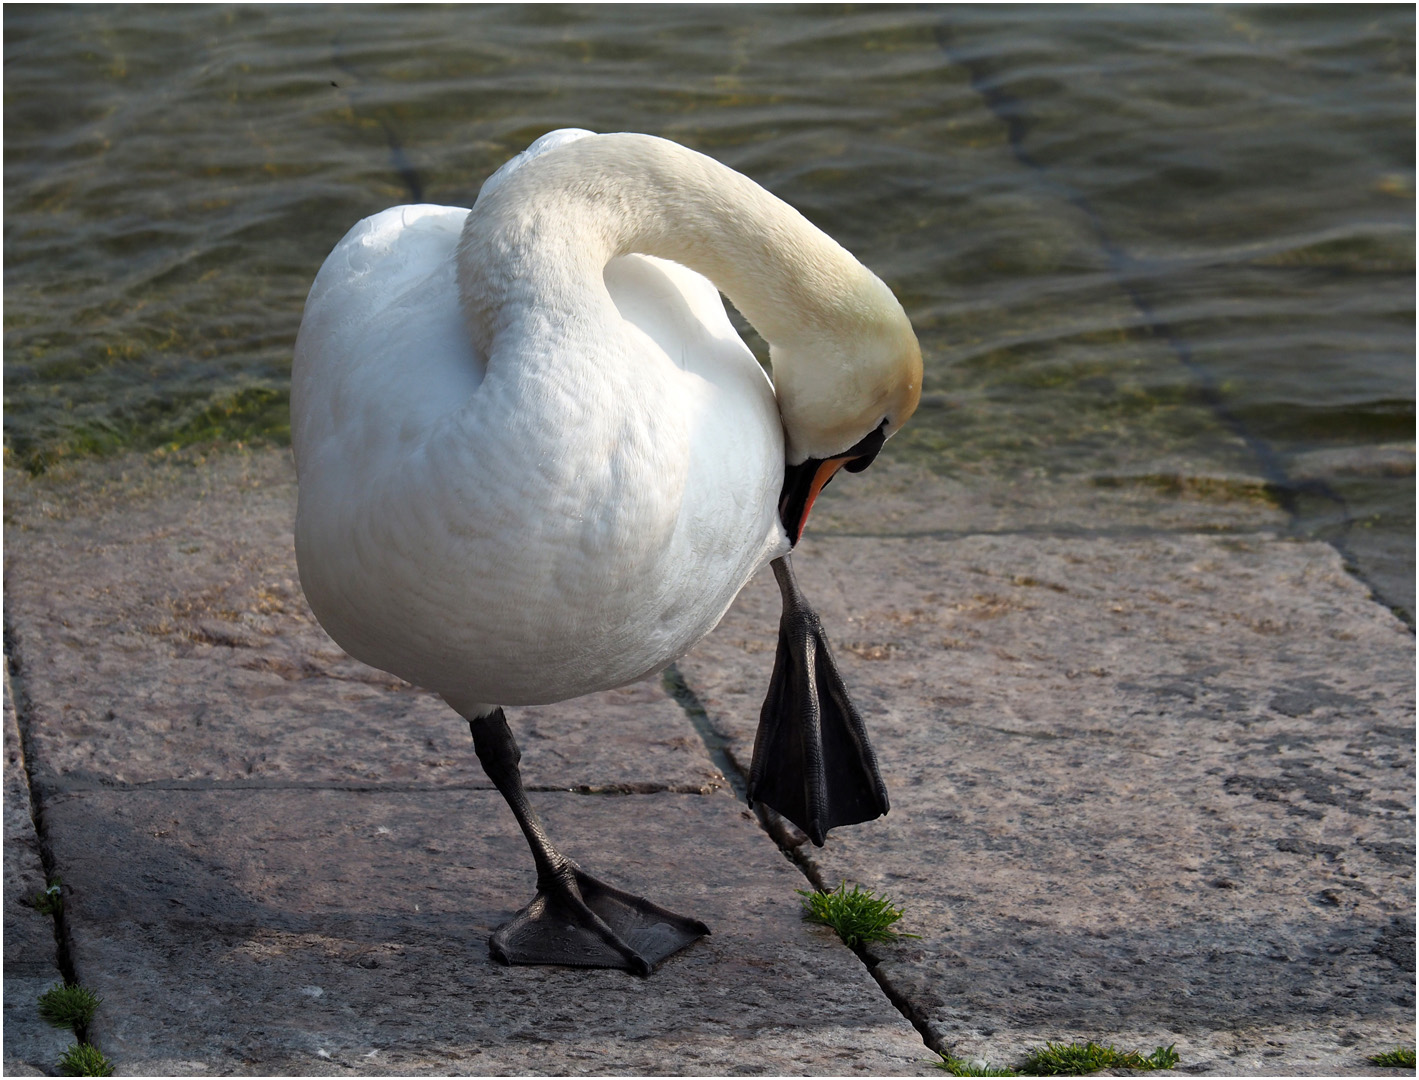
(1147,790)
(320,932)
(1143,782)
(32,1047)
(165,638)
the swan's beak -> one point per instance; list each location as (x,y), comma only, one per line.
(802,483)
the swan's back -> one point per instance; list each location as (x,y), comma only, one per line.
(383,355)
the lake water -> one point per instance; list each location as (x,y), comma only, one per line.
(1166,245)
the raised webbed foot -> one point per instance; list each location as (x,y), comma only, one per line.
(813,762)
(579,920)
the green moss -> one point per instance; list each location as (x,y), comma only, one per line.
(256,414)
(84,1059)
(1067,1059)
(1220,488)
(51,901)
(858,916)
(68,1006)
(1401,1057)
(1075,1059)
(253,414)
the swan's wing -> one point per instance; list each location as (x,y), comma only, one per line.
(382,350)
(726,403)
(683,313)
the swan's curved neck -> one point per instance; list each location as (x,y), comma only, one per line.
(556,221)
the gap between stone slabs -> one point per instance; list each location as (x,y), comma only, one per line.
(32,1046)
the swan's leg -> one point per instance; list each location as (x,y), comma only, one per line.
(812,760)
(575,918)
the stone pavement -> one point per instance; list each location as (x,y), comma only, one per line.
(1150,786)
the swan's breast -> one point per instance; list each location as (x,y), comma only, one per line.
(566,515)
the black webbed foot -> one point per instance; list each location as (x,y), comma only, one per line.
(578,920)
(813,762)
(574,919)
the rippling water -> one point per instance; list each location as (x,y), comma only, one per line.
(1126,235)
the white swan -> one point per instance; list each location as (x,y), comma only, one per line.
(536,461)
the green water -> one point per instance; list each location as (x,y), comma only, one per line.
(1140,245)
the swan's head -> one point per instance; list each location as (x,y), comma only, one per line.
(842,392)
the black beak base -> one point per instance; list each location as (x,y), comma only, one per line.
(801,483)
(795,500)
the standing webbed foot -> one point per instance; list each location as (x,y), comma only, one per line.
(813,762)
(579,920)
(574,919)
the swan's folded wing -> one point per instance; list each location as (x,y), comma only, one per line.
(383,349)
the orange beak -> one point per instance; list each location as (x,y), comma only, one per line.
(801,485)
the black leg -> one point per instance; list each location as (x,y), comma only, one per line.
(813,762)
(575,918)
